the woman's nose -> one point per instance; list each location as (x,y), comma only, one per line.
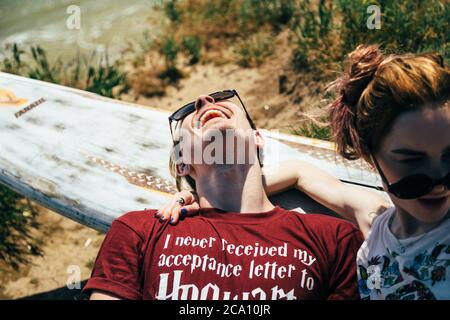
(439,189)
(203,100)
(437,172)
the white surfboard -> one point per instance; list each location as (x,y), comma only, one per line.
(92,159)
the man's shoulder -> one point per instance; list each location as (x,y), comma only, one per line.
(323,224)
(140,221)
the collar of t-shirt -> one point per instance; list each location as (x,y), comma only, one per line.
(218,215)
(433,234)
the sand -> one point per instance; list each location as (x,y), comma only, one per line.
(65,245)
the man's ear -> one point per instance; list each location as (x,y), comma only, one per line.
(259,140)
(183,169)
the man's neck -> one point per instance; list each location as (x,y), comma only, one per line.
(233,188)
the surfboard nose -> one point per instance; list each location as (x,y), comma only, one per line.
(203,100)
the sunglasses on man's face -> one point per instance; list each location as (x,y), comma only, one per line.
(189,108)
(413,186)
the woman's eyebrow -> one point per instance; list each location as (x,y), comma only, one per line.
(408,152)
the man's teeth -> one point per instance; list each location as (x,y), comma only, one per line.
(211,114)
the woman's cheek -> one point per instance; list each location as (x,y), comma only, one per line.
(415,209)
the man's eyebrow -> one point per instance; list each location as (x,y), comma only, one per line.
(408,152)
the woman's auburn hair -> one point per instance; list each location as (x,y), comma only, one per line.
(375,89)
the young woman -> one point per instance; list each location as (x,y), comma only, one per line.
(394,112)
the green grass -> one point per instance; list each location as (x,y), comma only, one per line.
(313,130)
(90,264)
(253,51)
(220,25)
(276,13)
(326,30)
(16,242)
(192,45)
(92,73)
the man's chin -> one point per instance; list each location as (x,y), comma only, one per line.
(218,128)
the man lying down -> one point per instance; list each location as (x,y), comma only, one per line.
(239,245)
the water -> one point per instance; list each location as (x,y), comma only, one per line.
(104,25)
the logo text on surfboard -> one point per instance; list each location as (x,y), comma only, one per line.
(29,107)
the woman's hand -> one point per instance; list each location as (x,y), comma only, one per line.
(174,211)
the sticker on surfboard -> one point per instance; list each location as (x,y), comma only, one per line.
(8,98)
(140,179)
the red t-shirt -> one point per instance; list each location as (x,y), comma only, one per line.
(215,255)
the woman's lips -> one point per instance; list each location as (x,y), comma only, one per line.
(433,203)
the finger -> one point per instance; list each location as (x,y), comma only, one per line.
(165,214)
(172,210)
(160,212)
(174,201)
(189,210)
(187,196)
(179,213)
(175,215)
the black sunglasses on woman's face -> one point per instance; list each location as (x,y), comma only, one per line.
(189,108)
(412,186)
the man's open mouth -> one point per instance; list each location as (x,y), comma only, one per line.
(211,114)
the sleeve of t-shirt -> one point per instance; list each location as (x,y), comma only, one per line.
(117,268)
(343,279)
